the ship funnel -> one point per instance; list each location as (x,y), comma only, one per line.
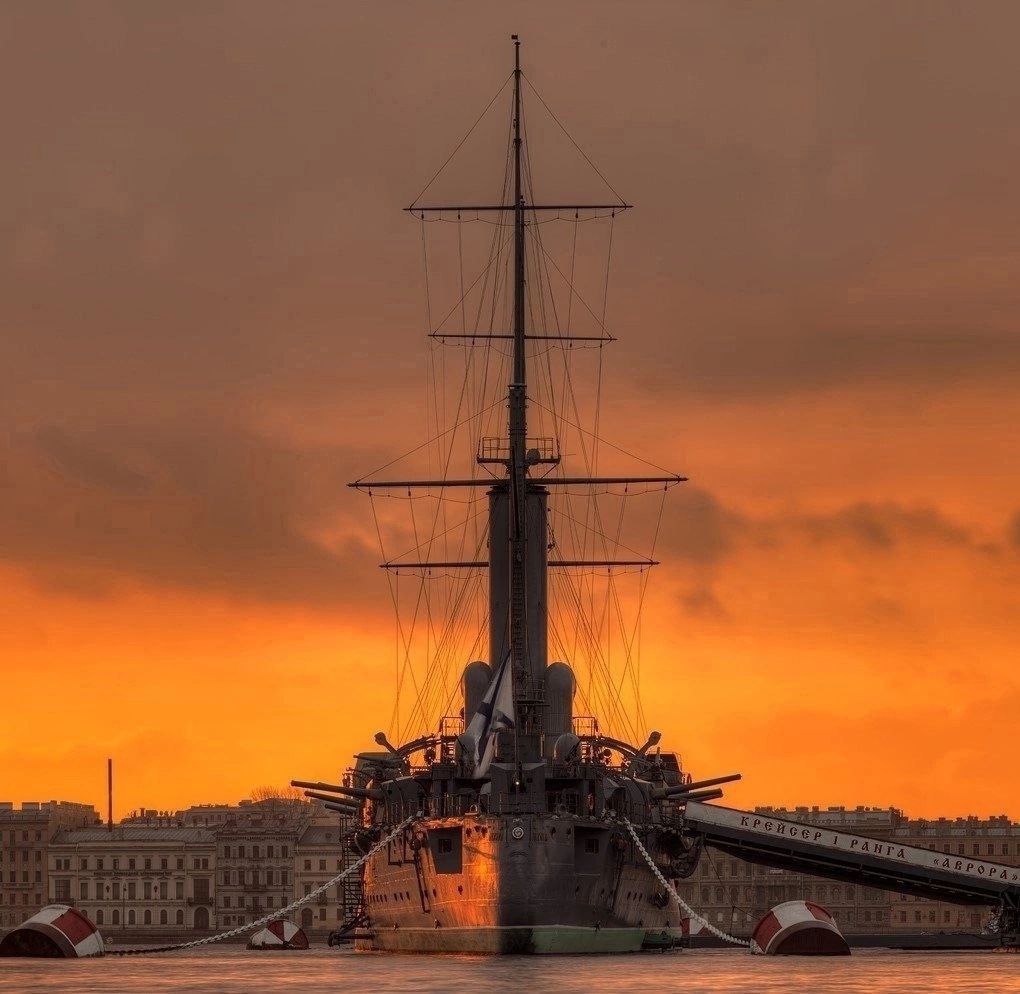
(559,695)
(476,680)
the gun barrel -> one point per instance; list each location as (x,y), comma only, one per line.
(686,788)
(713,782)
(698,795)
(343,809)
(331,799)
(371,793)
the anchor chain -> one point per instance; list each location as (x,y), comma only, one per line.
(718,932)
(276,915)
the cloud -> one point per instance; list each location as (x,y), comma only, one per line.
(704,531)
(200,507)
(1014,530)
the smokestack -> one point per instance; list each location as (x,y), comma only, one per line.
(109,795)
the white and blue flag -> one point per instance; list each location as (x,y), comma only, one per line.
(495,714)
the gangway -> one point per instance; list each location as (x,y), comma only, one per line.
(827,851)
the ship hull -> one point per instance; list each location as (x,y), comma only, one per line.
(490,885)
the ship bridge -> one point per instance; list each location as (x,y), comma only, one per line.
(826,851)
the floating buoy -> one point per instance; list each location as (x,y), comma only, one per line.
(56,931)
(798,928)
(279,935)
(690,927)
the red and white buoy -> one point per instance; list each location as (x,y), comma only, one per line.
(56,931)
(798,928)
(279,935)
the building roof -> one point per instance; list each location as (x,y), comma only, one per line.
(130,834)
(321,835)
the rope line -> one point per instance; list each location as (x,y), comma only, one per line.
(276,915)
(717,932)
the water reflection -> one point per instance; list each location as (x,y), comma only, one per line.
(225,971)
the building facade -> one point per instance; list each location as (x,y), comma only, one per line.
(25,836)
(255,859)
(136,879)
(318,857)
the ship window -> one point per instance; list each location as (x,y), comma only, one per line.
(445,845)
(591,845)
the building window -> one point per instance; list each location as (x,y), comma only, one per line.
(99,863)
(180,862)
(308,864)
(179,890)
(164,864)
(132,889)
(147,920)
(283,852)
(116,890)
(116,863)
(180,916)
(61,888)
(116,916)
(148,864)
(131,864)
(163,917)
(84,890)
(269,852)
(131,916)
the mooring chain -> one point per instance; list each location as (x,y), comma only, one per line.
(276,915)
(683,904)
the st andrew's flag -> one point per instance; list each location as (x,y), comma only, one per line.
(494,715)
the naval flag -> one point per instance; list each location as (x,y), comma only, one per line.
(495,714)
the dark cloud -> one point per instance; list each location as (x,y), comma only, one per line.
(202,509)
(1014,530)
(698,528)
(703,531)
(884,526)
(205,200)
(702,601)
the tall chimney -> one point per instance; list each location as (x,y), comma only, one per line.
(109,794)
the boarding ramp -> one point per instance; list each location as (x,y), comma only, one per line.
(827,851)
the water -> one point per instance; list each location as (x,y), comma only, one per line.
(324,971)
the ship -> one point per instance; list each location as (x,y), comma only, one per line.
(517,808)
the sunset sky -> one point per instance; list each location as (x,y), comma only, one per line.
(211,320)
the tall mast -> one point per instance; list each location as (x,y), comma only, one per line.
(518,423)
(518,556)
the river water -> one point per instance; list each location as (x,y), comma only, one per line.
(324,971)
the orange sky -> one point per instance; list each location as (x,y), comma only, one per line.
(211,320)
